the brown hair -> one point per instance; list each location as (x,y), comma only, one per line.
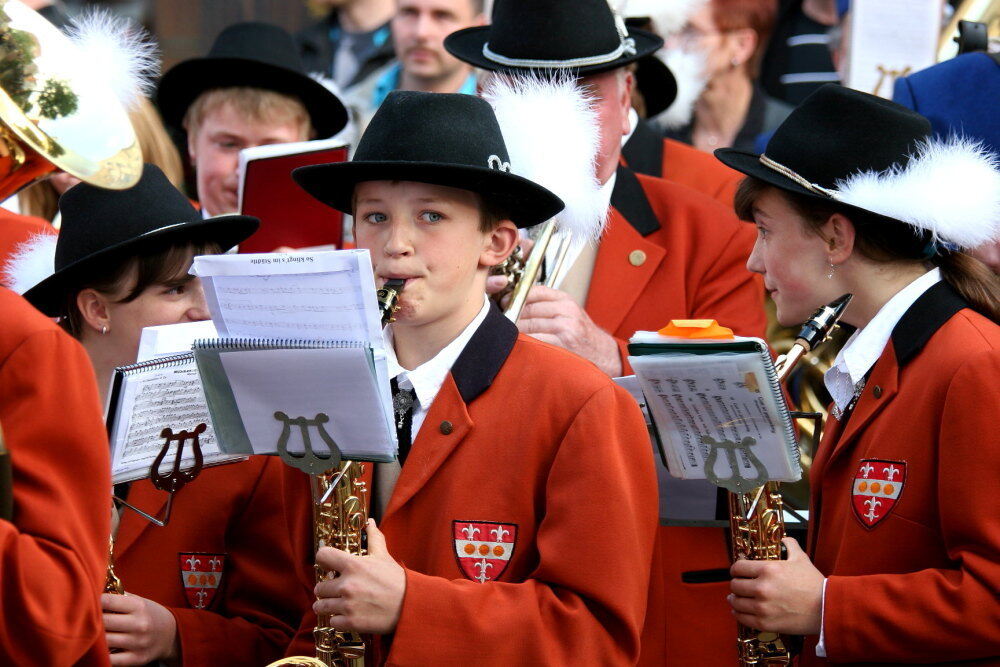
(42,200)
(162,265)
(757,15)
(884,240)
(257,104)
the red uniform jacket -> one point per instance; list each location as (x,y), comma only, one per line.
(231,530)
(668,253)
(647,152)
(16,229)
(525,514)
(905,509)
(54,554)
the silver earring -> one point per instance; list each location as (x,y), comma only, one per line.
(833,268)
(104,330)
(735,62)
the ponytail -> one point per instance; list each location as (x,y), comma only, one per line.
(973,280)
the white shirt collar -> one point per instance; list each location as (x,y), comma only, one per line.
(427,378)
(863,349)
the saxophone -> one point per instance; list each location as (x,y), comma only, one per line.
(755,517)
(340,513)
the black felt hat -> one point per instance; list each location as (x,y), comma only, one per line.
(257,55)
(101,226)
(834,133)
(874,156)
(582,36)
(442,139)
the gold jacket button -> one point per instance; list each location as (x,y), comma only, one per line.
(877,391)
(446,427)
(637,258)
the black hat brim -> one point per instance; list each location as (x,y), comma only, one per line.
(184,82)
(749,164)
(49,295)
(526,202)
(467,45)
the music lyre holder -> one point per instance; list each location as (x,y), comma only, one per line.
(175,479)
(309,461)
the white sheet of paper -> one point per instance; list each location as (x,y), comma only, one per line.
(166,397)
(888,39)
(168,339)
(299,296)
(692,396)
(304,383)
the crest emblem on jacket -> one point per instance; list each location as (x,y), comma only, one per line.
(201,575)
(483,548)
(877,485)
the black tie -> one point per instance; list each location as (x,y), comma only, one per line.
(402,408)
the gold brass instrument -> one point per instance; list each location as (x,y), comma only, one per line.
(56,113)
(521,274)
(340,514)
(755,517)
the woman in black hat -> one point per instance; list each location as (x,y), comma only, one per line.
(853,195)
(120,264)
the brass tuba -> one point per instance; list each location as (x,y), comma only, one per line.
(56,112)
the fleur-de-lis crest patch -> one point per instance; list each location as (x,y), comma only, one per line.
(877,485)
(201,575)
(483,548)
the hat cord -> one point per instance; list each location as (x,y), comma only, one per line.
(627,47)
(801,180)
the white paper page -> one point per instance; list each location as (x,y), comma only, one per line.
(337,382)
(166,397)
(692,396)
(888,39)
(169,339)
(300,296)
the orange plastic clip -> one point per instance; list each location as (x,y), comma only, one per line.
(696,329)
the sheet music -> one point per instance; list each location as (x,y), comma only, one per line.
(152,400)
(169,339)
(724,397)
(888,39)
(302,295)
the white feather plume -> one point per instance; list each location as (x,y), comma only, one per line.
(31,262)
(668,16)
(551,130)
(688,68)
(120,50)
(950,188)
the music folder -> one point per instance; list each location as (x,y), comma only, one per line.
(288,216)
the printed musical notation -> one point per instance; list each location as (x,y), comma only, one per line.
(315,296)
(152,400)
(723,398)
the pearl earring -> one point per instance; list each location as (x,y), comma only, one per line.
(104,330)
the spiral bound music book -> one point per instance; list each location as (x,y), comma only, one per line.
(718,408)
(259,391)
(148,397)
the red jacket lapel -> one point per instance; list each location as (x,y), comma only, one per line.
(625,264)
(447,423)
